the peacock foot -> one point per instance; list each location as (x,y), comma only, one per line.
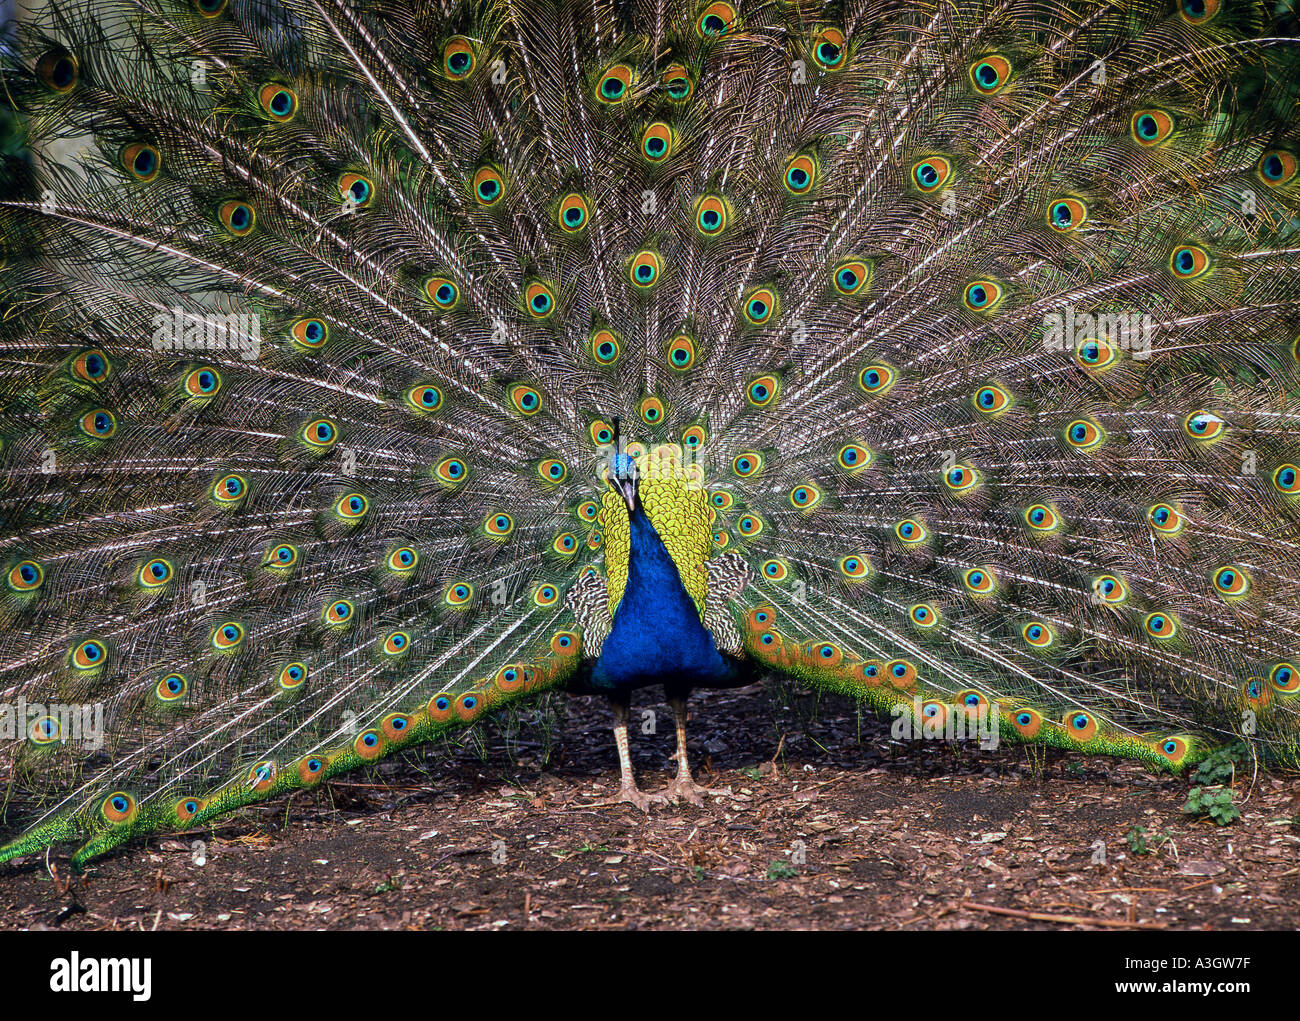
(686,789)
(630,794)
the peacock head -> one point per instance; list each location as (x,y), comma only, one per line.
(622,473)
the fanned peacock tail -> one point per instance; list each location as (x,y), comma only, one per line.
(951,349)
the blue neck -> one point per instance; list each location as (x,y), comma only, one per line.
(657,637)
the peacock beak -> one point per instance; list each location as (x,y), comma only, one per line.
(627,487)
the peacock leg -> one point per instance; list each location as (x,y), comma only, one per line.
(684,787)
(627,791)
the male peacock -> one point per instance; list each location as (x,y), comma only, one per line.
(371,367)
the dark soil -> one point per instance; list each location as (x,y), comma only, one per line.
(829,824)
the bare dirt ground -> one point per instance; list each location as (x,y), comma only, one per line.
(829,825)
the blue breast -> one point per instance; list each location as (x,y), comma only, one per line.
(656,636)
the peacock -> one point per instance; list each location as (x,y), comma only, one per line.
(370,369)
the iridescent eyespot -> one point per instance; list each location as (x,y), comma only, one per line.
(910,531)
(511,678)
(565,543)
(694,437)
(237,217)
(1165,519)
(749,525)
(187,808)
(118,807)
(1151,127)
(615,84)
(991,74)
(574,213)
(651,410)
(721,499)
(209,8)
(828,50)
(440,707)
(604,347)
(458,593)
(487,186)
(1187,262)
(1285,678)
(1231,581)
(855,566)
(469,706)
(525,399)
(760,306)
(403,559)
(1095,354)
(458,57)
(801,173)
(25,576)
(424,397)
(601,433)
(279,102)
(564,643)
(1066,215)
(498,526)
(775,570)
(982,295)
(712,215)
(824,654)
(203,383)
(99,424)
(1160,625)
(546,594)
(1286,479)
(369,744)
(900,673)
(443,292)
(227,636)
(539,300)
(339,611)
(678,83)
(1080,725)
(1042,518)
(657,142)
(57,70)
(141,161)
(309,333)
(923,615)
(351,506)
(1038,634)
(805,497)
(1198,12)
(1257,695)
(717,19)
(763,391)
(311,770)
(171,688)
(89,655)
(1173,748)
(451,470)
(396,643)
(1027,721)
(877,379)
(991,399)
(1109,589)
(747,464)
(853,457)
(1204,425)
(91,366)
(229,490)
(961,478)
(979,580)
(552,471)
(931,173)
(588,510)
(292,675)
(1083,434)
(356,190)
(156,573)
(320,433)
(851,276)
(1277,167)
(644,269)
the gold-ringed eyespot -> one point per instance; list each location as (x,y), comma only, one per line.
(877,379)
(45,730)
(396,643)
(1095,354)
(712,215)
(1165,519)
(369,744)
(487,185)
(851,276)
(932,173)
(187,808)
(1084,434)
(564,643)
(499,525)
(1204,425)
(1286,479)
(923,615)
(511,677)
(155,573)
(645,269)
(678,82)
(470,706)
(539,300)
(853,457)
(1042,518)
(565,543)
(119,807)
(424,397)
(961,478)
(805,497)
(971,702)
(552,471)
(99,424)
(588,510)
(443,292)
(90,654)
(761,617)
(1080,726)
(320,433)
(747,464)
(229,490)
(338,612)
(525,399)
(309,333)
(237,217)
(458,593)
(828,51)
(979,580)
(657,141)
(279,102)
(403,559)
(573,213)
(824,654)
(721,499)
(1285,678)
(1277,167)
(651,410)
(775,570)
(910,531)
(1187,262)
(396,726)
(615,84)
(58,71)
(141,161)
(801,173)
(351,506)
(1038,635)
(749,525)
(855,566)
(604,347)
(458,58)
(545,595)
(357,190)
(1198,12)
(1066,215)
(982,296)
(311,769)
(441,706)
(1109,589)
(763,391)
(1256,693)
(1151,127)
(990,74)
(1174,749)
(25,576)
(91,366)
(900,673)
(292,675)
(717,19)
(228,636)
(210,8)
(1027,722)
(171,688)
(203,383)
(451,470)
(1231,581)
(695,436)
